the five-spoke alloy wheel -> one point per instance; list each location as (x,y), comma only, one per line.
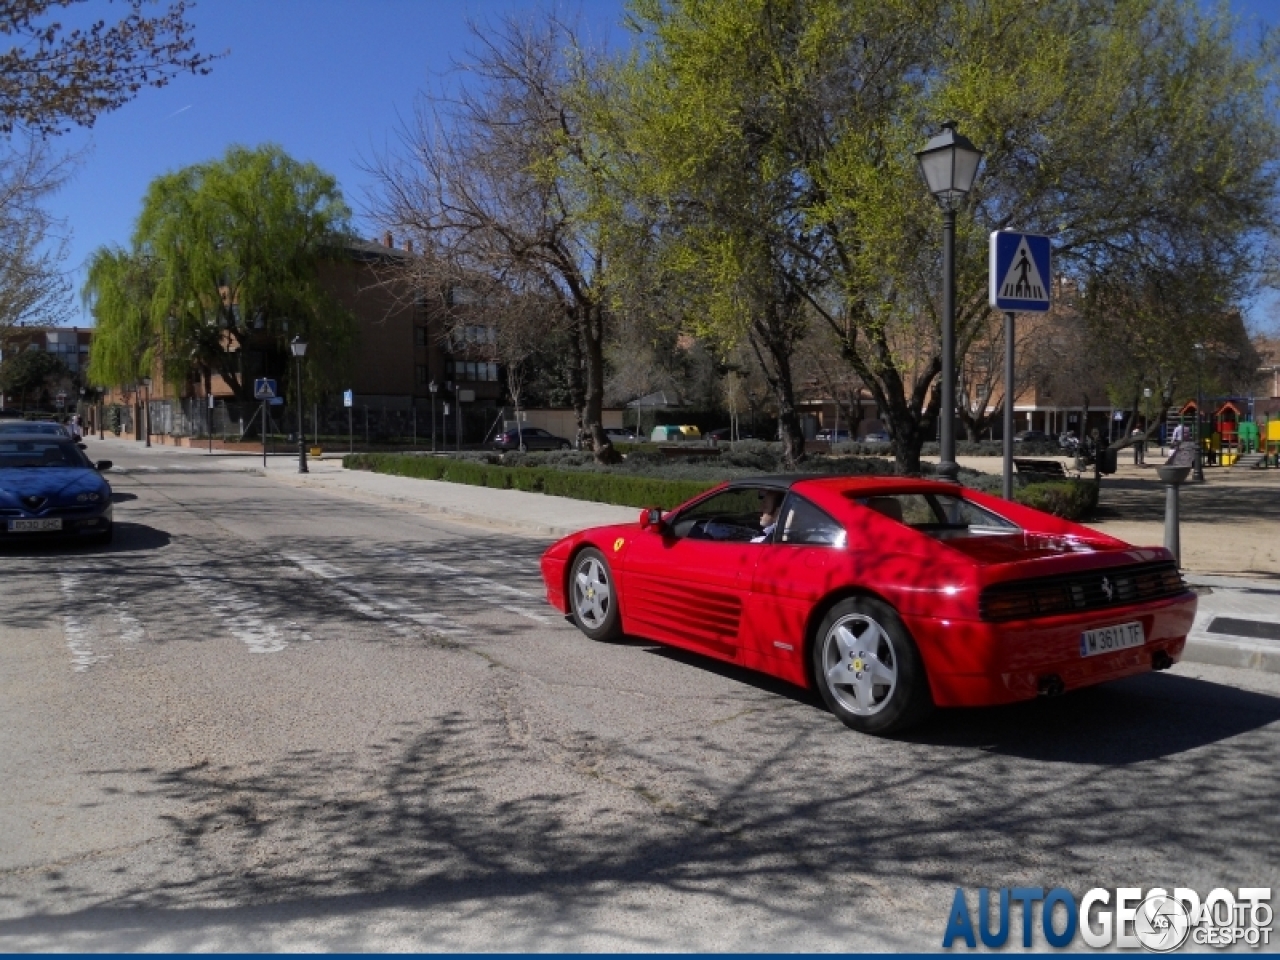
(592,597)
(867,668)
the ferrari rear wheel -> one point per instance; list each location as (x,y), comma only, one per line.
(868,669)
(594,597)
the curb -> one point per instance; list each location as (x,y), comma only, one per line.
(1239,654)
(461,516)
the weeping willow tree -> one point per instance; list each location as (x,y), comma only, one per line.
(224,270)
(118,292)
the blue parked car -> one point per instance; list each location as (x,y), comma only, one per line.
(50,489)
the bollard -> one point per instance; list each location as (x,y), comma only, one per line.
(1172,478)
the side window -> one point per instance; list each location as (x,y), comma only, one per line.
(732,515)
(804,524)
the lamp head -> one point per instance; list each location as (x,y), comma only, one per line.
(949,163)
(299,347)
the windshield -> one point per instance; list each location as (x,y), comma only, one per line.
(941,515)
(27,426)
(39,451)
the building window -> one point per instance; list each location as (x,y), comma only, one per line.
(420,373)
(419,336)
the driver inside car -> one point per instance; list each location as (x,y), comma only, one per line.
(769,504)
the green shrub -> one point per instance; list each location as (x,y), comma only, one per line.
(594,485)
(1069,499)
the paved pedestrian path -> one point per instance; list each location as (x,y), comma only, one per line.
(1230,532)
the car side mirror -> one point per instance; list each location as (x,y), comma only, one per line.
(82,446)
(102,465)
(651,517)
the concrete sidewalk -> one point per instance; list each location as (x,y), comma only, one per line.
(1230,547)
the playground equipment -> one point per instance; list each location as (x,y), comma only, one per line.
(1229,435)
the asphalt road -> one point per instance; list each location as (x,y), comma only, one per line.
(270,718)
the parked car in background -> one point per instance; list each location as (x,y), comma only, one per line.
(621,434)
(876,436)
(530,438)
(1031,436)
(8,413)
(834,436)
(50,489)
(725,434)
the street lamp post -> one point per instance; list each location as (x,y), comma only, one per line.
(146,407)
(1198,471)
(433,388)
(299,348)
(949,163)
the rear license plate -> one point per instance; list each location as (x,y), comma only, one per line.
(1110,639)
(35,526)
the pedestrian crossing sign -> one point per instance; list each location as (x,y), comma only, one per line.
(1020,272)
(264,389)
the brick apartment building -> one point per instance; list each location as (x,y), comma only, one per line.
(69,344)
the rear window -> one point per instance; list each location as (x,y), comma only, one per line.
(940,515)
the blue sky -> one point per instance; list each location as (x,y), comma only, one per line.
(325,79)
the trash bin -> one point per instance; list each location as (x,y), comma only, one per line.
(1106,460)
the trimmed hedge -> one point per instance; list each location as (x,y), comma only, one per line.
(1069,499)
(598,487)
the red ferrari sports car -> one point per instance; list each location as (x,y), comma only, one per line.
(890,596)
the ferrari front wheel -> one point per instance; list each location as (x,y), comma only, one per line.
(868,669)
(594,597)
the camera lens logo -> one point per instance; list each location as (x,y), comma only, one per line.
(1161,924)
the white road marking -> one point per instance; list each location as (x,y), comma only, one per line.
(244,618)
(482,588)
(390,610)
(79,636)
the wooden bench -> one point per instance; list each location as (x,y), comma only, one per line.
(1041,469)
(691,449)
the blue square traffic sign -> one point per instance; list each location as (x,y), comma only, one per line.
(1020,272)
(264,389)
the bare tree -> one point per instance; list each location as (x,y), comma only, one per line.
(52,76)
(32,286)
(503,181)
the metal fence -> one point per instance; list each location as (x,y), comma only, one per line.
(361,425)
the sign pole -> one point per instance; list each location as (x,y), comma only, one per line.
(351,430)
(264,434)
(1007,488)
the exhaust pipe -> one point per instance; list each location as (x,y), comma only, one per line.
(1160,660)
(1051,685)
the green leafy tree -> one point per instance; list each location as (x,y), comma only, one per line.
(1128,129)
(226,257)
(28,371)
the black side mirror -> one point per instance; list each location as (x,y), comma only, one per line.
(82,446)
(102,465)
